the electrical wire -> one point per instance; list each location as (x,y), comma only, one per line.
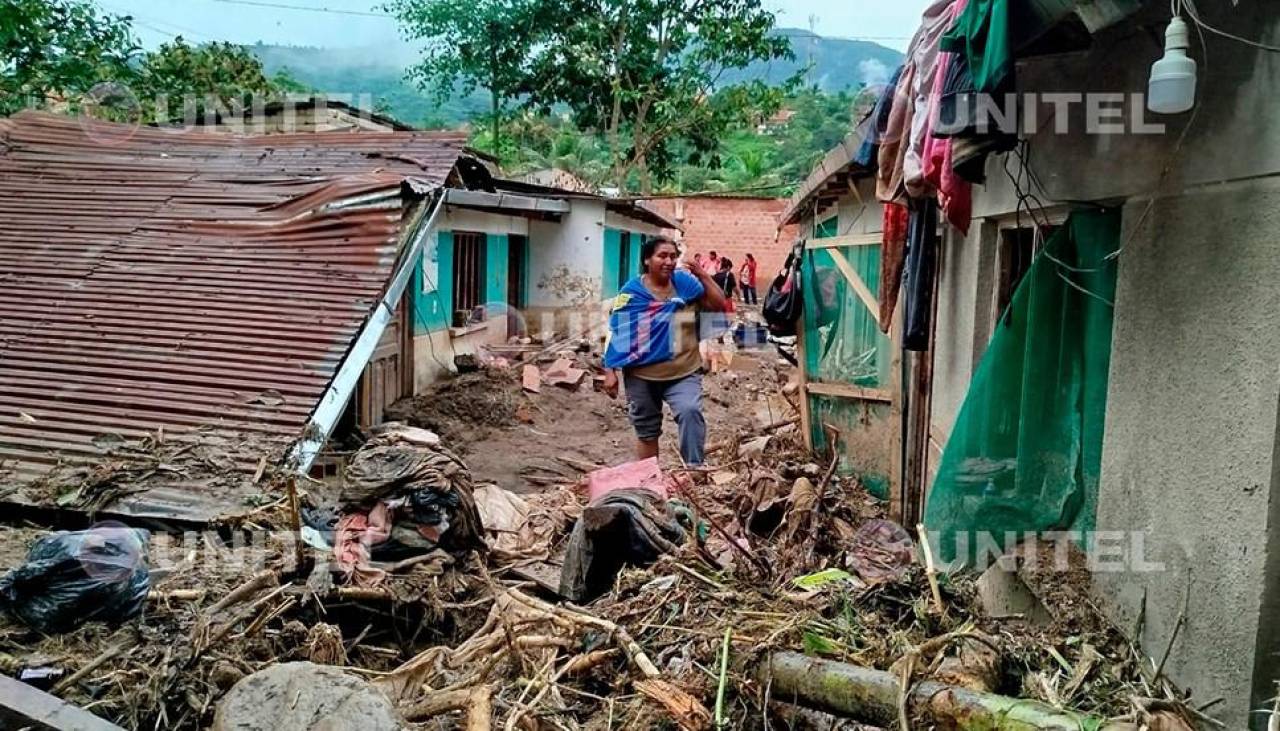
(1194,13)
(307,8)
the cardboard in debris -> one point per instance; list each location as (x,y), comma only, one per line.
(531,377)
(562,373)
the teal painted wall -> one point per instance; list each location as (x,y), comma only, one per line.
(637,240)
(433,299)
(495,275)
(612,260)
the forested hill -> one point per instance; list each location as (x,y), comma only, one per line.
(837,64)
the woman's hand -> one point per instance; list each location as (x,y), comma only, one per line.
(610,384)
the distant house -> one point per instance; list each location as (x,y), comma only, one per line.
(558,178)
(732,226)
(522,259)
(299,114)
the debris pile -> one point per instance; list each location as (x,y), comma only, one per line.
(754,594)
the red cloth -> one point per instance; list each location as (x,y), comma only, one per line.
(893,257)
(748,272)
(356,534)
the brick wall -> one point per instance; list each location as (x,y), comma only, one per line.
(732,227)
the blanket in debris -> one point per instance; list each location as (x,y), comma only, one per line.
(403,494)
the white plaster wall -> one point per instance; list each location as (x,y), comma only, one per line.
(565,258)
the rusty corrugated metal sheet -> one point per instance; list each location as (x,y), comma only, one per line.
(155,279)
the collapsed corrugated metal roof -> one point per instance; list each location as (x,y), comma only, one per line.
(203,284)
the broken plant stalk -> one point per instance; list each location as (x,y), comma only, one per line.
(724,677)
(930,570)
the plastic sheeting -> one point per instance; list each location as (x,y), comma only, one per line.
(1025,453)
(844,345)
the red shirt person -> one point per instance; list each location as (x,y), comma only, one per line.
(747,280)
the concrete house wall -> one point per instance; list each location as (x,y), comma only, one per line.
(564,285)
(435,342)
(1190,447)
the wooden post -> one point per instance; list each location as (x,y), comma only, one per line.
(806,419)
(897,492)
(295,524)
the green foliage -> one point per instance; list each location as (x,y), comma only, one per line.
(66,54)
(178,78)
(647,75)
(472,43)
(745,159)
(52,50)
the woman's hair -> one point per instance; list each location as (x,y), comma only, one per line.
(750,257)
(725,263)
(650,246)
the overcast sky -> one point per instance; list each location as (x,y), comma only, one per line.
(341,22)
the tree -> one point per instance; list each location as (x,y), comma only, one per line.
(67,54)
(178,78)
(54,50)
(473,43)
(648,73)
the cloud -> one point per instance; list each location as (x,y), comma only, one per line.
(873,71)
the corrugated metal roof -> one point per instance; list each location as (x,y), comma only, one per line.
(186,280)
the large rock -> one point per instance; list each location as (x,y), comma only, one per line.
(302,696)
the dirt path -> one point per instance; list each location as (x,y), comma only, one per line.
(503,432)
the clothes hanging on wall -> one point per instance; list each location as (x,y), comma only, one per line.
(981,34)
(893,143)
(921,265)
(964,117)
(893,254)
(924,54)
(955,194)
(868,152)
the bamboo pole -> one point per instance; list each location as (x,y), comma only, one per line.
(871,696)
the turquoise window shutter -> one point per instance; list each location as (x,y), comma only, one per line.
(495,276)
(612,262)
(442,304)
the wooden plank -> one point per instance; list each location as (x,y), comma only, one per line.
(25,706)
(855,281)
(896,435)
(832,242)
(806,421)
(849,391)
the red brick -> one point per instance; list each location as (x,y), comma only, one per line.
(732,226)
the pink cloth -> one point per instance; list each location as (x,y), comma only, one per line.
(355,535)
(955,195)
(924,55)
(644,474)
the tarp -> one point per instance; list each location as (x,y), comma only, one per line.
(1026,449)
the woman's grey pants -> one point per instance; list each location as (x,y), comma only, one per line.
(684,396)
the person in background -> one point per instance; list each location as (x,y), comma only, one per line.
(697,259)
(653,344)
(713,262)
(725,277)
(747,280)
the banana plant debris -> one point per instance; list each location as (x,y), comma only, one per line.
(786,596)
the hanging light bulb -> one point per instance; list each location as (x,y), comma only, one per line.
(1172,88)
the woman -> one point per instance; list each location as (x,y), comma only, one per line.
(653,342)
(725,279)
(747,280)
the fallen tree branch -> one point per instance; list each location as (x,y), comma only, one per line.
(871,696)
(254,584)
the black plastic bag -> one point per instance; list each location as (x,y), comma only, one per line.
(784,302)
(69,578)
